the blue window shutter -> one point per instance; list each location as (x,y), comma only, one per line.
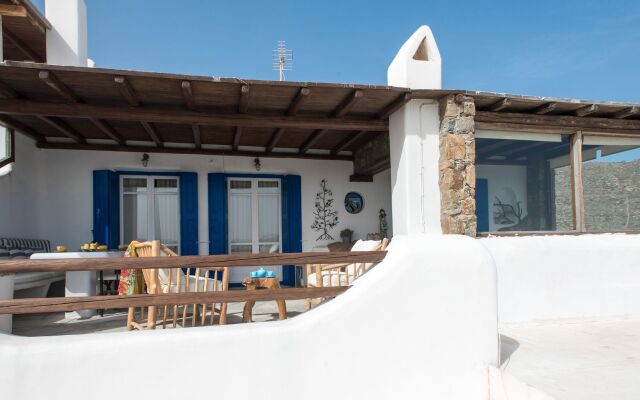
(291,222)
(217,193)
(482,205)
(188,213)
(106,208)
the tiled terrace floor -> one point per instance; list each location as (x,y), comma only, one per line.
(115,320)
(578,359)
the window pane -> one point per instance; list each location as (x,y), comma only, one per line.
(241,248)
(240,218)
(611,182)
(132,185)
(240,185)
(166,214)
(269,248)
(527,182)
(5,144)
(134,217)
(268,218)
(166,183)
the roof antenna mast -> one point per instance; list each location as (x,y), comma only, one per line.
(282,59)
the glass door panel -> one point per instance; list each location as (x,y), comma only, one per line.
(150,210)
(254,219)
(135,210)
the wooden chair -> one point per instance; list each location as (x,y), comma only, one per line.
(332,275)
(175,280)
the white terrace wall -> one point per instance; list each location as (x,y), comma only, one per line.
(19,192)
(556,277)
(421,325)
(63,191)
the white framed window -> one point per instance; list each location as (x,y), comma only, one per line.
(255,217)
(150,209)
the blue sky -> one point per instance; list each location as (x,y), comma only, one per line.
(578,49)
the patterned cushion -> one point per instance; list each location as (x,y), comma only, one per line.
(4,253)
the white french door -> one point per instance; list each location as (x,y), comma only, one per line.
(254,220)
(150,209)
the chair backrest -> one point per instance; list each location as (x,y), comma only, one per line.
(174,280)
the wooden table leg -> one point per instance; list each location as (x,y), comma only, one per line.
(282,309)
(247,313)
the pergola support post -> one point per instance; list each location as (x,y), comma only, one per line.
(457,178)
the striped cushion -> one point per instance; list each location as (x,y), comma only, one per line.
(37,245)
(4,253)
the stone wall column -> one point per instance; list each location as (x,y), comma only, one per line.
(457,165)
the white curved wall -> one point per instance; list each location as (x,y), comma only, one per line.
(422,324)
(553,277)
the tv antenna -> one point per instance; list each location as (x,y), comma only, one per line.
(282,59)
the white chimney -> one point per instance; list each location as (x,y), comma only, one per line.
(417,64)
(414,138)
(67,39)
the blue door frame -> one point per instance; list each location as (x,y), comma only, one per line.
(291,196)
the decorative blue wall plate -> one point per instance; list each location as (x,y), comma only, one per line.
(353,202)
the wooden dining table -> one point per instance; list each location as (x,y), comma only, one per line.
(79,283)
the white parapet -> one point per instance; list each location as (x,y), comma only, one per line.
(420,325)
(414,138)
(67,39)
(566,277)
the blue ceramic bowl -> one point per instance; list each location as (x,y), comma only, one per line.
(261,273)
(254,274)
(271,274)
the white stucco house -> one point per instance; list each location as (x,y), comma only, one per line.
(212,165)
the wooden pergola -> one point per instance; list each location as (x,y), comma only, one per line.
(23,31)
(115,110)
(82,108)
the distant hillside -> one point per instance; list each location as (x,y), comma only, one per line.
(611,196)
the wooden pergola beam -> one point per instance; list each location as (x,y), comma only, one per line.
(298,101)
(64,128)
(187,94)
(197,135)
(19,126)
(294,106)
(347,104)
(184,150)
(152,132)
(236,138)
(7,91)
(108,130)
(127,90)
(545,108)
(565,121)
(275,138)
(627,112)
(394,105)
(243,105)
(54,83)
(26,50)
(587,110)
(500,104)
(181,116)
(348,142)
(311,140)
(8,10)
